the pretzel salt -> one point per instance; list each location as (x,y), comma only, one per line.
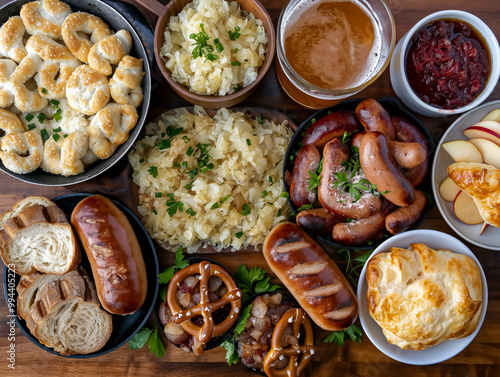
(205,308)
(297,318)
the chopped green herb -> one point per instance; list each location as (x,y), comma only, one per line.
(45,134)
(304,207)
(353,332)
(235,63)
(313,180)
(41,117)
(58,129)
(31,126)
(141,161)
(259,119)
(155,212)
(56,136)
(235,50)
(202,47)
(271,179)
(246,210)
(57,117)
(313,120)
(347,136)
(224,199)
(29,116)
(66,135)
(173,205)
(239,234)
(215,205)
(218,46)
(186,139)
(44,91)
(164,144)
(184,164)
(153,170)
(176,165)
(158,194)
(249,142)
(55,103)
(253,281)
(264,193)
(284,195)
(190,211)
(189,186)
(279,212)
(234,35)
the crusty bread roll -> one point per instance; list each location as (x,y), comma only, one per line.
(65,313)
(45,17)
(36,236)
(482,183)
(21,152)
(108,51)
(421,297)
(87,91)
(125,85)
(11,39)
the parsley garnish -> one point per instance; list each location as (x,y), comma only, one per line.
(158,194)
(232,354)
(155,344)
(168,273)
(141,161)
(353,332)
(313,180)
(239,234)
(354,265)
(190,211)
(153,170)
(347,136)
(234,35)
(202,47)
(253,281)
(173,205)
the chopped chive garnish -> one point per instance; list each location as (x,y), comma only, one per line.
(55,103)
(177,165)
(186,139)
(154,211)
(29,116)
(41,117)
(45,135)
(235,64)
(279,212)
(239,234)
(57,117)
(141,160)
(44,91)
(264,193)
(284,195)
(190,151)
(271,179)
(158,194)
(190,211)
(259,119)
(58,129)
(56,136)
(235,50)
(184,164)
(31,126)
(249,142)
(215,205)
(246,210)
(66,135)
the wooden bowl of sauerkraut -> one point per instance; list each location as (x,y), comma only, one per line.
(214,53)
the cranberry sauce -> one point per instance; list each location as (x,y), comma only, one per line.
(447,64)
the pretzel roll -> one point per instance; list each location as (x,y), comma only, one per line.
(87,91)
(125,85)
(26,100)
(83,23)
(109,50)
(311,276)
(21,152)
(11,39)
(64,155)
(206,308)
(110,128)
(71,120)
(45,17)
(9,123)
(7,67)
(299,350)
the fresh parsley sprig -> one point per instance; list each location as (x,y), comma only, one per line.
(168,273)
(353,332)
(253,281)
(313,180)
(231,353)
(152,337)
(354,265)
(173,205)
(202,47)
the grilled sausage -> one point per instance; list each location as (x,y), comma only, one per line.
(306,161)
(405,218)
(317,220)
(374,117)
(407,155)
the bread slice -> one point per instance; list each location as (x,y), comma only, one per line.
(36,236)
(66,315)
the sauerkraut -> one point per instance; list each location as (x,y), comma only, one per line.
(236,66)
(232,198)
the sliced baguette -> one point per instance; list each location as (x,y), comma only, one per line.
(36,236)
(66,315)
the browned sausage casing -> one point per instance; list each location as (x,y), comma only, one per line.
(113,252)
(311,277)
(374,117)
(381,170)
(317,220)
(407,155)
(336,200)
(307,160)
(405,218)
(407,132)
(329,127)
(356,139)
(358,232)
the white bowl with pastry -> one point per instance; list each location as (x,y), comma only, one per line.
(421,303)
(466,176)
(74,89)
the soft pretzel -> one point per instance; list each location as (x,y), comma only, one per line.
(110,128)
(205,308)
(109,50)
(45,17)
(21,152)
(64,155)
(7,67)
(298,355)
(87,91)
(125,85)
(81,22)
(9,122)
(11,39)
(71,120)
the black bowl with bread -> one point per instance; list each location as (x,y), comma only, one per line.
(90,318)
(358,172)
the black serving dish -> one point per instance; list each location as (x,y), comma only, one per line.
(394,108)
(124,327)
(214,342)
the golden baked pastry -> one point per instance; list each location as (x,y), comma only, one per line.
(109,50)
(482,183)
(7,67)
(9,123)
(125,85)
(83,23)
(21,152)
(87,91)
(421,297)
(45,17)
(64,155)
(11,39)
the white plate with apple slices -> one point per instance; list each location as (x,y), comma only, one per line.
(474,137)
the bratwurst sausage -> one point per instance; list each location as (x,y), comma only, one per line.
(405,218)
(306,161)
(374,117)
(113,252)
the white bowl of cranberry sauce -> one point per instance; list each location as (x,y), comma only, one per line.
(447,64)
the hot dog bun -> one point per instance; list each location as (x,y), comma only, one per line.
(113,252)
(311,277)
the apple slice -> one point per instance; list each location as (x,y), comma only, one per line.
(486,129)
(483,227)
(448,189)
(463,151)
(466,210)
(493,115)
(489,150)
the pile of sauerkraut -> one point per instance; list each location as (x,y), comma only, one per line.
(233,199)
(237,64)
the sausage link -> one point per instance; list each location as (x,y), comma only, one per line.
(405,218)
(407,155)
(381,170)
(374,117)
(329,127)
(307,160)
(317,220)
(356,139)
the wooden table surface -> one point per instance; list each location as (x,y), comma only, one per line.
(480,358)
